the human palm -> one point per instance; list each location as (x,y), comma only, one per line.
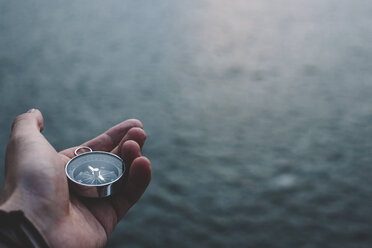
(35,182)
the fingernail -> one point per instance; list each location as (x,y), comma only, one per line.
(31,110)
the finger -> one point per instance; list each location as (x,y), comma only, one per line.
(137,182)
(109,139)
(114,135)
(28,123)
(130,151)
(136,134)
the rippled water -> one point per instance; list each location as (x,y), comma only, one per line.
(258,113)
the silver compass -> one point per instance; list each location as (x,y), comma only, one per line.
(95,174)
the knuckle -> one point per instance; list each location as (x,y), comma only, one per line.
(19,119)
(19,137)
(15,141)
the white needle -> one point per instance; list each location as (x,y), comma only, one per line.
(92,169)
(100,176)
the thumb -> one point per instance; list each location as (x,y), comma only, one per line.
(28,123)
(25,137)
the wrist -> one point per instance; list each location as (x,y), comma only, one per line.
(17,231)
(38,218)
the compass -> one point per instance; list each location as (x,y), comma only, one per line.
(95,174)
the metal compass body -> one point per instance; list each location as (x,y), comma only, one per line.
(95,173)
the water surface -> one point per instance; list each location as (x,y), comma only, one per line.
(258,113)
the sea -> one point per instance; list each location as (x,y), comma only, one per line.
(258,113)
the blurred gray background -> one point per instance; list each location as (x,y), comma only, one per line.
(258,113)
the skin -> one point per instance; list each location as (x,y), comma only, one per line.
(35,182)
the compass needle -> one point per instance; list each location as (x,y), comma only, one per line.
(100,176)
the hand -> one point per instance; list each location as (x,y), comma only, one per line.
(35,182)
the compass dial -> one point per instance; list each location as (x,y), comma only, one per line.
(95,168)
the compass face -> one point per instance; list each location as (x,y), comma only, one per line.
(95,168)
